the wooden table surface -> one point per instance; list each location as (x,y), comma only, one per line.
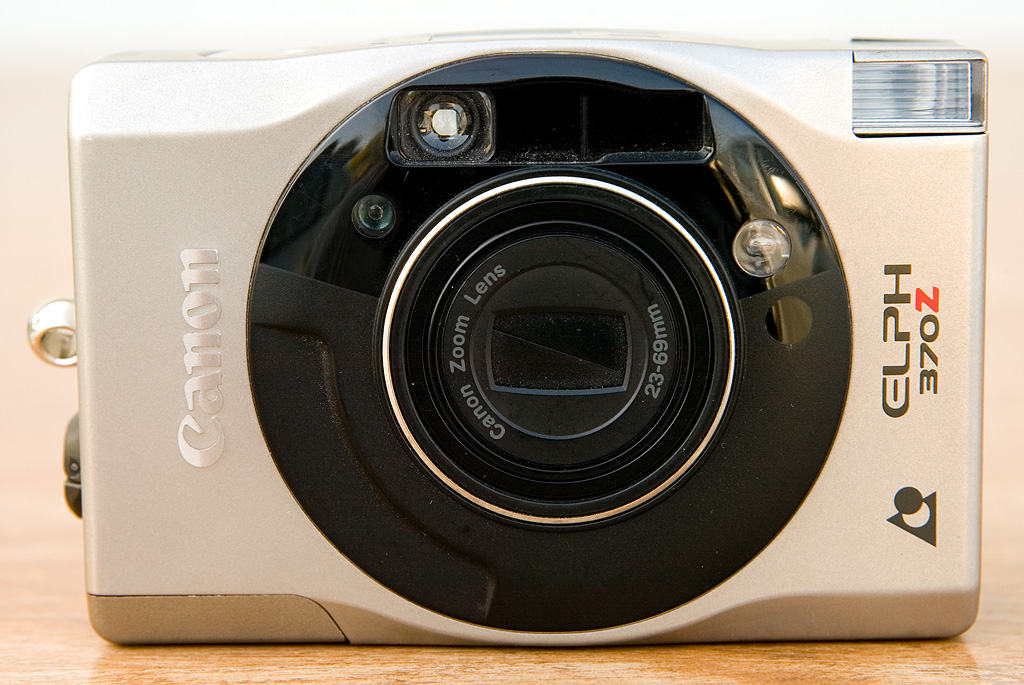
(44,631)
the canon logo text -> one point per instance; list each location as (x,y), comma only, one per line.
(200,434)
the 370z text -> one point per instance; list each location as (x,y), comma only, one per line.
(896,377)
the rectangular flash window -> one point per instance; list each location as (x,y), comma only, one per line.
(918,97)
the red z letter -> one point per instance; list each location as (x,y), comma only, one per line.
(921,298)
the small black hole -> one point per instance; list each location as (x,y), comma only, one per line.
(789,320)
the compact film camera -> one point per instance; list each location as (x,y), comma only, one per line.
(530,339)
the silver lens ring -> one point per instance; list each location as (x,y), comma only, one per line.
(446,221)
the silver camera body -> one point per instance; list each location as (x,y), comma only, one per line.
(265,242)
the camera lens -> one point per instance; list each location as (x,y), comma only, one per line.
(558,349)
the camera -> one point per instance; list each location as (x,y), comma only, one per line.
(557,339)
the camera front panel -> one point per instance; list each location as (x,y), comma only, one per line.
(525,348)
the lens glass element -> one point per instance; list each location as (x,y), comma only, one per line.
(558,352)
(557,343)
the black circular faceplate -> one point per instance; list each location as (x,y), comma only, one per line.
(318,304)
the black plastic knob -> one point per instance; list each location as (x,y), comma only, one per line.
(72,468)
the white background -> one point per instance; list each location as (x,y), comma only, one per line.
(31,32)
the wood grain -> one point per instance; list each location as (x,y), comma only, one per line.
(44,632)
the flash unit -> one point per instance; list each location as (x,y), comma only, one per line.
(895,96)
